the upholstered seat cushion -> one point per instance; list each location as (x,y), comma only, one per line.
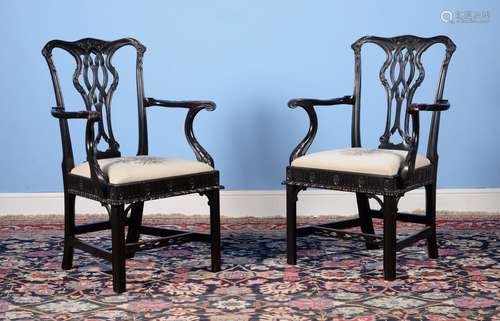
(384,162)
(121,170)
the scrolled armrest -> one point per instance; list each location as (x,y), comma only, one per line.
(305,143)
(60,113)
(98,177)
(201,153)
(303,102)
(408,167)
(194,107)
(440,105)
(204,104)
(308,105)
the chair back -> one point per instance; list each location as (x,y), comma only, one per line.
(401,75)
(96,79)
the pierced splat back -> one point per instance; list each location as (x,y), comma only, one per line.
(96,79)
(401,75)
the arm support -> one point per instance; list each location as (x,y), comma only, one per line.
(303,102)
(308,105)
(194,108)
(60,113)
(440,105)
(98,177)
(205,104)
(414,111)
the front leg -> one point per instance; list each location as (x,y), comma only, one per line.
(430,210)
(390,211)
(69,230)
(118,247)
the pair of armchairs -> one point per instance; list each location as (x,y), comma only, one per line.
(122,184)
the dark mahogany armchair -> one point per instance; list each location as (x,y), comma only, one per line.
(390,170)
(121,183)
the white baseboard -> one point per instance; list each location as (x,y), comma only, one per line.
(259,203)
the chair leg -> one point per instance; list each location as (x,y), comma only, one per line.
(430,210)
(69,230)
(291,224)
(214,203)
(365,217)
(390,209)
(118,248)
(134,225)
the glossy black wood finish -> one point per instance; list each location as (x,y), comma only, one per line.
(96,79)
(291,223)
(365,219)
(401,75)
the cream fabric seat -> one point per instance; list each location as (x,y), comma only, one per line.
(121,170)
(384,162)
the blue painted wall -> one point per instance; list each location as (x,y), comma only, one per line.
(250,57)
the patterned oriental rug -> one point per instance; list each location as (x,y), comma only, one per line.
(336,279)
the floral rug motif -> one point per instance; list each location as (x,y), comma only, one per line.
(335,279)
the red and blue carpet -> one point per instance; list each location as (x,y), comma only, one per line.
(335,279)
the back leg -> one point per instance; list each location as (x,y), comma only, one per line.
(365,217)
(214,203)
(69,230)
(134,225)
(291,223)
(430,210)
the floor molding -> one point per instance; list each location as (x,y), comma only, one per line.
(263,203)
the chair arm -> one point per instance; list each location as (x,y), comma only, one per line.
(194,108)
(98,177)
(205,104)
(308,105)
(408,167)
(440,105)
(60,113)
(414,110)
(303,102)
